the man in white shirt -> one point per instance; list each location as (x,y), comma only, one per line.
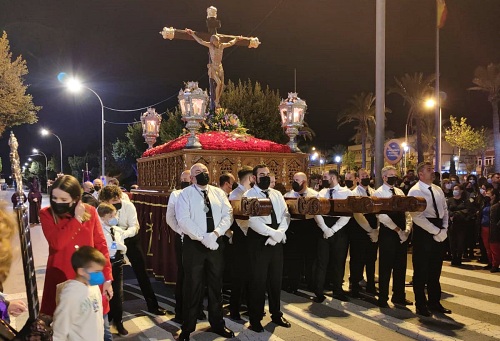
(430,230)
(238,251)
(226,182)
(363,236)
(204,214)
(97,187)
(333,243)
(174,225)
(395,228)
(127,220)
(301,238)
(265,237)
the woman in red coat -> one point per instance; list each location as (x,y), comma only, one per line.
(67,224)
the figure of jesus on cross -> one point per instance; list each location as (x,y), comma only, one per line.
(215,69)
(216,43)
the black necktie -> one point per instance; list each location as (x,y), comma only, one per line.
(301,194)
(274,221)
(393,191)
(434,202)
(367,192)
(331,193)
(112,232)
(210,219)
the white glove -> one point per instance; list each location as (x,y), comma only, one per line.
(210,241)
(278,236)
(373,235)
(270,241)
(327,233)
(441,236)
(403,236)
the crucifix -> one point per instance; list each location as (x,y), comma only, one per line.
(216,43)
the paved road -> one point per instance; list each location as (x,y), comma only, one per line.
(472,294)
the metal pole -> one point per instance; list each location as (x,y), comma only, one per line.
(60,145)
(437,130)
(379,89)
(102,130)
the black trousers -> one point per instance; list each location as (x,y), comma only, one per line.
(362,253)
(116,304)
(239,262)
(393,258)
(136,258)
(200,262)
(459,234)
(180,276)
(334,251)
(266,270)
(299,253)
(427,263)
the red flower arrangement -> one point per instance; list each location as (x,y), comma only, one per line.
(220,140)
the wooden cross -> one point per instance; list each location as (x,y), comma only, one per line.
(216,43)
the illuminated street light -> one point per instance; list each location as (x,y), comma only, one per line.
(74,85)
(46,132)
(39,152)
(430,103)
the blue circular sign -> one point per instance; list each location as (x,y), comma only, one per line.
(393,152)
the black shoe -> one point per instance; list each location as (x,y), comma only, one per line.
(224,332)
(493,270)
(121,329)
(341,297)
(235,317)
(158,311)
(404,302)
(201,315)
(438,308)
(382,304)
(281,321)
(354,294)
(487,267)
(178,320)
(256,327)
(319,299)
(371,291)
(183,337)
(423,311)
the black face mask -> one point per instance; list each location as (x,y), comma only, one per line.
(185,184)
(62,207)
(264,182)
(349,183)
(365,182)
(392,180)
(325,183)
(97,188)
(118,206)
(296,187)
(202,179)
(92,191)
(235,185)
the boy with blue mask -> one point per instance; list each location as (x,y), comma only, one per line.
(79,315)
(115,238)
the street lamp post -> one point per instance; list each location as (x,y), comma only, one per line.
(45,132)
(74,85)
(39,152)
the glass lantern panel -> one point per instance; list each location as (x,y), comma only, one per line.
(298,114)
(283,115)
(150,126)
(182,102)
(197,106)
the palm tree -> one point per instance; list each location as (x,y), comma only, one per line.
(361,109)
(487,79)
(414,89)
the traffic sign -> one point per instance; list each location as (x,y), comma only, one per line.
(393,152)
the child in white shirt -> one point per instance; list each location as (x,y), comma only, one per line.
(115,237)
(78,315)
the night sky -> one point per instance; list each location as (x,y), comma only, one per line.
(114,46)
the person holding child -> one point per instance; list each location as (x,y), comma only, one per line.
(115,238)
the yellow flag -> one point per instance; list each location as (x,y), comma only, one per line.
(441,13)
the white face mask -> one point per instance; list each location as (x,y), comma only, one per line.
(447,186)
(482,191)
(456,193)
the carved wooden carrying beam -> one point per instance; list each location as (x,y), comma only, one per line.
(299,207)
